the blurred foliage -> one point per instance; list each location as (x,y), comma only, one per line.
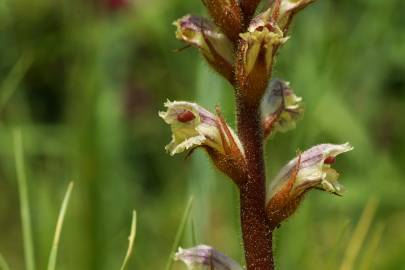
(84,81)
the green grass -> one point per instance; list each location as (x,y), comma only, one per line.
(358,236)
(3,263)
(24,201)
(58,230)
(131,240)
(368,260)
(11,82)
(26,216)
(179,233)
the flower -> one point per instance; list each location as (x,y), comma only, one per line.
(311,169)
(207,256)
(281,108)
(216,48)
(193,126)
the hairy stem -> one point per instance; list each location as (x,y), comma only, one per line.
(257,236)
(248,8)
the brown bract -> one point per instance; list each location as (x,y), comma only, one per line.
(232,162)
(281,206)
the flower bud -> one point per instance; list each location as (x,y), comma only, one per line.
(216,48)
(281,108)
(311,169)
(206,257)
(260,41)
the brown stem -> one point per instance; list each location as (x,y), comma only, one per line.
(257,236)
(248,8)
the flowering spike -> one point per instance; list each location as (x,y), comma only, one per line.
(281,108)
(243,50)
(206,257)
(311,169)
(216,48)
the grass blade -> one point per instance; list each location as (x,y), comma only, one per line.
(10,84)
(3,264)
(339,243)
(24,202)
(58,230)
(359,235)
(179,233)
(194,241)
(369,254)
(131,240)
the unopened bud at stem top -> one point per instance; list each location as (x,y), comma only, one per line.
(256,55)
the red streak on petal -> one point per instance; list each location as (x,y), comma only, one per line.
(329,160)
(185,117)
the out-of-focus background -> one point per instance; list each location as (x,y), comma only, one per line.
(84,80)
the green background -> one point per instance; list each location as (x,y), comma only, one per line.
(84,83)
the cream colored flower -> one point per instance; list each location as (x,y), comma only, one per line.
(193,126)
(313,171)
